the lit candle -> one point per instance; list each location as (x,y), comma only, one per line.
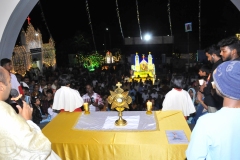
(149,105)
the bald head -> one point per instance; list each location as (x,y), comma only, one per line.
(3,77)
(5,84)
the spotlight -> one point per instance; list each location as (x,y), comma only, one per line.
(147,37)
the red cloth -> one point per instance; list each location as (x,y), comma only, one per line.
(20,90)
(76,110)
(178,89)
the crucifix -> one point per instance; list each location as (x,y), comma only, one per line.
(118,84)
(28,18)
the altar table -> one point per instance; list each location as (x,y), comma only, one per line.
(73,144)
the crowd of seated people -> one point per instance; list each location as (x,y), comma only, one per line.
(40,91)
(141,92)
(45,85)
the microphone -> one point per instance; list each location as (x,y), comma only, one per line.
(15,95)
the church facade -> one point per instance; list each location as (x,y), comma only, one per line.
(144,69)
(33,53)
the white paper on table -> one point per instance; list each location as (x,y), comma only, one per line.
(132,122)
(176,137)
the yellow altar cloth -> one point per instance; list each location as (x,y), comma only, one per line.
(72,144)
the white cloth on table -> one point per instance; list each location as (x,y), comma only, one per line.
(67,98)
(21,139)
(136,120)
(178,100)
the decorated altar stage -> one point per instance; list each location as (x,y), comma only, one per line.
(70,141)
(143,70)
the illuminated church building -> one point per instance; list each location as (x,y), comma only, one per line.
(144,69)
(32,53)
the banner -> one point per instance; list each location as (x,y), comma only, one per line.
(188,27)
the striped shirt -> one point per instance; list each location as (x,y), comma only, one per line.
(95,98)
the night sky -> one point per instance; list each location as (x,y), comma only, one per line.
(219,19)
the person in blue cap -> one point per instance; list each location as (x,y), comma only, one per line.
(215,136)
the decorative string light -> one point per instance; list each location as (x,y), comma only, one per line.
(90,23)
(33,38)
(169,16)
(91,61)
(199,23)
(43,16)
(138,20)
(21,60)
(119,20)
(48,53)
(22,57)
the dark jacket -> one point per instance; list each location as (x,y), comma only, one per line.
(212,100)
(36,115)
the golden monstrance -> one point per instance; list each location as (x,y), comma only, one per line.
(119,100)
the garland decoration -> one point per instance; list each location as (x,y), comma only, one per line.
(44,19)
(90,23)
(138,20)
(169,16)
(199,23)
(119,20)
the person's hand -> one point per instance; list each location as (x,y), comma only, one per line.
(26,111)
(16,98)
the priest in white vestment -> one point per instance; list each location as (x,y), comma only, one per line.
(66,98)
(177,98)
(20,138)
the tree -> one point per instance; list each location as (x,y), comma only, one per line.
(91,61)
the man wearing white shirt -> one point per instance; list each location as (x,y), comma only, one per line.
(55,84)
(7,64)
(208,139)
(66,98)
(145,96)
(94,100)
(154,94)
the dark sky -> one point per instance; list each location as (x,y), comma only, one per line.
(219,19)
